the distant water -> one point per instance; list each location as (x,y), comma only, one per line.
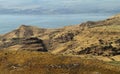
(11,22)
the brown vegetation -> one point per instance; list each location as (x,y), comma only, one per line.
(25,62)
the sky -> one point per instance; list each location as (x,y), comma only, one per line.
(58,6)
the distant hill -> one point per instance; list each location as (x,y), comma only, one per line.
(101,38)
(87,48)
(24,31)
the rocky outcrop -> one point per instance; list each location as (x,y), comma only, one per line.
(117,41)
(30,44)
(33,44)
(103,49)
(63,37)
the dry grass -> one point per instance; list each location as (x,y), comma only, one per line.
(91,36)
(24,62)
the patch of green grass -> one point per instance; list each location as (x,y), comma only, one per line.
(117,63)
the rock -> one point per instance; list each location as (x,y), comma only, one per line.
(64,37)
(30,44)
(106,50)
(117,41)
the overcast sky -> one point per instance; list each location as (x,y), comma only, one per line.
(59,6)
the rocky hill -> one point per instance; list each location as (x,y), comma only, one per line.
(76,49)
(101,38)
(24,31)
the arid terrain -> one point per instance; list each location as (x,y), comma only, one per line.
(86,48)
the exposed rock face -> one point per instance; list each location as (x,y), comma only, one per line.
(33,44)
(117,41)
(63,37)
(104,49)
(30,44)
(97,50)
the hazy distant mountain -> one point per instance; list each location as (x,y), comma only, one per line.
(56,11)
(59,7)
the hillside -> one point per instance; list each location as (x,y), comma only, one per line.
(101,36)
(90,47)
(45,63)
